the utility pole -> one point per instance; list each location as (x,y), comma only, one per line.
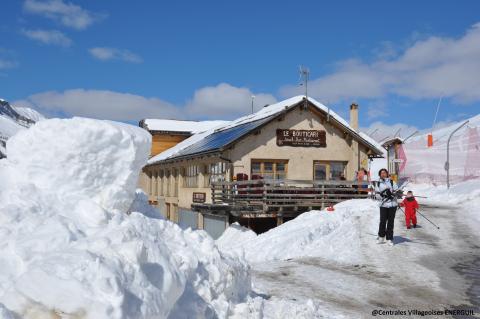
(447,163)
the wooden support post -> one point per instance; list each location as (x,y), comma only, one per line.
(279,220)
(323,196)
(200,220)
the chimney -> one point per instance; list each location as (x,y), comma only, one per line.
(354,116)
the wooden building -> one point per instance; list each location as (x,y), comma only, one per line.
(395,160)
(168,133)
(297,142)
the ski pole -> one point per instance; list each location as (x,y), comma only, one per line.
(399,207)
(416,196)
(428,219)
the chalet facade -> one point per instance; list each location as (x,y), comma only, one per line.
(296,139)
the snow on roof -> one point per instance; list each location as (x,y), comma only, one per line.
(396,139)
(285,105)
(181,126)
(265,112)
(171,152)
(373,142)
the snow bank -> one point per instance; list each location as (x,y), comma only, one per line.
(279,308)
(81,158)
(234,237)
(76,240)
(333,235)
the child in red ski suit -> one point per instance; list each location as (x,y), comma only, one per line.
(411,206)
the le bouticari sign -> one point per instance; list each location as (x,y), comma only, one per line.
(305,138)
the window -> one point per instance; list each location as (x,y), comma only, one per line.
(269,169)
(191,176)
(320,171)
(217,172)
(327,171)
(337,171)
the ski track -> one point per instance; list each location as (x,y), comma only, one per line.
(427,269)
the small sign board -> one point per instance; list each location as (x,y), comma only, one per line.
(397,160)
(199,197)
(303,138)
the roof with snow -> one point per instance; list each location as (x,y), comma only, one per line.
(217,138)
(393,140)
(179,126)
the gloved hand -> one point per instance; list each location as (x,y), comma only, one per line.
(386,194)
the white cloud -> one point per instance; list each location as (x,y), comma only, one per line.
(225,101)
(7,64)
(352,80)
(68,14)
(105,54)
(52,37)
(7,60)
(219,102)
(428,68)
(376,110)
(100,104)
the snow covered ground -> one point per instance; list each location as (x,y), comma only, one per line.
(330,261)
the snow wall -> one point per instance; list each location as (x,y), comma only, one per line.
(78,241)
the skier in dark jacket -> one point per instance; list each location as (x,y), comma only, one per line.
(385,190)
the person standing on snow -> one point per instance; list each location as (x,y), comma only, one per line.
(411,206)
(385,190)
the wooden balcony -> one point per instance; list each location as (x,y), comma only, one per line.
(268,198)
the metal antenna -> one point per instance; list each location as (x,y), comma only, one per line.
(304,73)
(253,98)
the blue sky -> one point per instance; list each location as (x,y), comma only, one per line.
(204,59)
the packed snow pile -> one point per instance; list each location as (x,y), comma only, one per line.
(14,119)
(77,240)
(234,237)
(333,235)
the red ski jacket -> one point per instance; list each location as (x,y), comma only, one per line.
(410,206)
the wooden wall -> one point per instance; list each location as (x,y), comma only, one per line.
(162,142)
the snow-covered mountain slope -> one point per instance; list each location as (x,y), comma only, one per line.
(14,119)
(29,113)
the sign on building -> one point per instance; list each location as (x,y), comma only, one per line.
(304,138)
(199,197)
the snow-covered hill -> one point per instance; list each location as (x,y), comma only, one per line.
(13,119)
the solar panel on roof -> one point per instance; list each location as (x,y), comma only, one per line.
(220,139)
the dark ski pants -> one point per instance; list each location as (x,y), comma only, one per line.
(387,218)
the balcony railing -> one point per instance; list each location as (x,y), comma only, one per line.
(275,195)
